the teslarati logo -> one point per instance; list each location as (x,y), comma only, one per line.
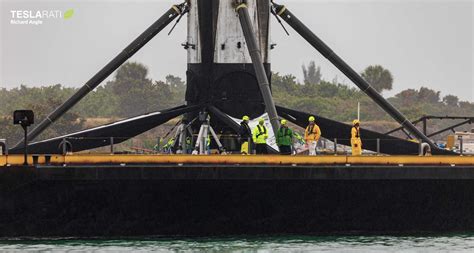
(37,17)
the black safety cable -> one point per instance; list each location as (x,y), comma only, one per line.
(184,10)
(273,11)
(177,123)
(189,124)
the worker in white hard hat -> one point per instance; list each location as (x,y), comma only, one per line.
(311,135)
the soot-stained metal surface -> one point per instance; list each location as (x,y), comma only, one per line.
(100,136)
(332,129)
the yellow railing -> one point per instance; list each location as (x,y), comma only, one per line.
(85,159)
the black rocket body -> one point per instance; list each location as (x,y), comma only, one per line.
(220,69)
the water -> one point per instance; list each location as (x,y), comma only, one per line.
(445,243)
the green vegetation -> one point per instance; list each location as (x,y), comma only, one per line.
(378,77)
(132,92)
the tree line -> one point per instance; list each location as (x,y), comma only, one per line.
(132,92)
(339,101)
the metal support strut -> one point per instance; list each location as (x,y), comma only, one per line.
(327,52)
(255,54)
(183,132)
(100,76)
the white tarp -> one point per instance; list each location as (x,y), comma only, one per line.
(271,141)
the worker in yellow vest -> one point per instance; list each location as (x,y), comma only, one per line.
(260,136)
(168,147)
(356,143)
(311,135)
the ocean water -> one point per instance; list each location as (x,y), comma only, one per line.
(439,243)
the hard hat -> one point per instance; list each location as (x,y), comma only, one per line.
(261,120)
(245,117)
(311,118)
(283,122)
(356,121)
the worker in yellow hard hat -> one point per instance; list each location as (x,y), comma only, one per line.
(311,135)
(356,143)
(168,147)
(245,136)
(260,136)
(284,138)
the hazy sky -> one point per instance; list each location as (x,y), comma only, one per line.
(423,43)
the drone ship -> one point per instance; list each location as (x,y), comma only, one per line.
(68,193)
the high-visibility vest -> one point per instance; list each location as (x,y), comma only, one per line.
(260,134)
(284,136)
(355,133)
(312,133)
(169,143)
(356,142)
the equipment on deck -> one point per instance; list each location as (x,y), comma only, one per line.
(203,139)
(25,118)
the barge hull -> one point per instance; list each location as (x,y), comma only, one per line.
(208,200)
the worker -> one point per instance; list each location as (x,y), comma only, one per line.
(189,145)
(356,143)
(156,148)
(260,136)
(245,136)
(168,147)
(284,138)
(208,144)
(311,135)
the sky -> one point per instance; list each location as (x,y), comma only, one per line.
(423,43)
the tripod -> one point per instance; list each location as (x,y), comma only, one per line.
(203,136)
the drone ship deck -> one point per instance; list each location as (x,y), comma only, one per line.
(136,195)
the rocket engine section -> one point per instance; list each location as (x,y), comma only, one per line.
(220,69)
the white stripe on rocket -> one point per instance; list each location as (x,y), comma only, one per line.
(194,55)
(229,33)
